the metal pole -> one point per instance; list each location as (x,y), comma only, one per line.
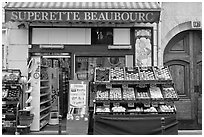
(163,125)
(60,125)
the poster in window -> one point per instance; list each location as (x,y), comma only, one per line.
(143,48)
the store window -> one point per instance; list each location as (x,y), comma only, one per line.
(143,47)
(85,65)
(102,36)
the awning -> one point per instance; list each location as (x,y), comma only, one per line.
(83,11)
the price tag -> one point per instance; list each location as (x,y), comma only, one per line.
(106,104)
(146,104)
(116,104)
(108,86)
(155,104)
(130,104)
(125,86)
(142,86)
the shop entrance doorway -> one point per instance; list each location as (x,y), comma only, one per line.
(62,63)
(183,56)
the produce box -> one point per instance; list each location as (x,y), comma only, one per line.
(102,95)
(142,93)
(11,75)
(128,94)
(155,92)
(117,74)
(169,93)
(162,73)
(26,120)
(115,94)
(146,73)
(132,73)
(102,75)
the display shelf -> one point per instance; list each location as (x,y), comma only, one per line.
(134,92)
(43,125)
(41,92)
(43,102)
(45,87)
(44,116)
(44,80)
(44,94)
(45,108)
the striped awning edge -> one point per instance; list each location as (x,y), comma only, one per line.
(136,6)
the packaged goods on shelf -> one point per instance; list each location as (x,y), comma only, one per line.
(117,73)
(155,92)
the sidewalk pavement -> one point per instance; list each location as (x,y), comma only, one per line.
(189,132)
(180,132)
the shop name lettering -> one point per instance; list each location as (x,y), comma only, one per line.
(82,16)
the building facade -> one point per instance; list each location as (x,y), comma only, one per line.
(113,34)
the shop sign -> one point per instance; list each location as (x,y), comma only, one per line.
(84,16)
(77,95)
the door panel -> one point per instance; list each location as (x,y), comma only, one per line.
(183,56)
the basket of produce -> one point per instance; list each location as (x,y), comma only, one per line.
(115,94)
(162,73)
(102,75)
(13,94)
(128,94)
(142,93)
(117,74)
(169,93)
(102,95)
(146,73)
(11,75)
(132,73)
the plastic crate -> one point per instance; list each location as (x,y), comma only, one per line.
(26,120)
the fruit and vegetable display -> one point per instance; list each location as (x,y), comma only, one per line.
(102,109)
(115,94)
(162,73)
(142,95)
(151,109)
(132,74)
(166,108)
(102,75)
(146,74)
(118,109)
(11,75)
(117,73)
(155,92)
(169,92)
(102,95)
(129,94)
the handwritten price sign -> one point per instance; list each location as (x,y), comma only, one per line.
(77,95)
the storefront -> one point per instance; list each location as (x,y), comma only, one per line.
(78,37)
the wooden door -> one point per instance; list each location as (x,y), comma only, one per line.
(181,55)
